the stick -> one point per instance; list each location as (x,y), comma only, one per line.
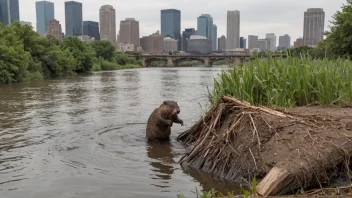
(255,131)
(255,163)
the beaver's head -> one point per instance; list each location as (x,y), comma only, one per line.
(170,107)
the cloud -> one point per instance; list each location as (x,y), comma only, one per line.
(258,17)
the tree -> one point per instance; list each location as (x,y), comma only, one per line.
(339,38)
(82,52)
(104,49)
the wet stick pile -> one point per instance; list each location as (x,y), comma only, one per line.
(236,140)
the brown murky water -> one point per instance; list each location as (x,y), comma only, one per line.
(83,136)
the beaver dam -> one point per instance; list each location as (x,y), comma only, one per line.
(288,150)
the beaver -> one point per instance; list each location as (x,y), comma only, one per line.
(161,120)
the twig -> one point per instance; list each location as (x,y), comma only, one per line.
(255,163)
(255,131)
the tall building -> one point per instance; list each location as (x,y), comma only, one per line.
(54,29)
(153,44)
(263,44)
(243,43)
(9,11)
(107,19)
(214,39)
(186,35)
(91,29)
(284,42)
(222,43)
(205,26)
(171,24)
(129,32)
(271,42)
(170,45)
(298,42)
(73,18)
(199,45)
(313,30)
(233,29)
(45,13)
(252,42)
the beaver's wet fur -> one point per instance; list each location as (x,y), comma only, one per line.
(161,120)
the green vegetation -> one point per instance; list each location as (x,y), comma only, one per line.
(25,55)
(287,82)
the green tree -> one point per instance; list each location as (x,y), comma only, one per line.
(82,52)
(13,59)
(104,49)
(339,38)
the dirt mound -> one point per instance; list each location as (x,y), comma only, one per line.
(301,148)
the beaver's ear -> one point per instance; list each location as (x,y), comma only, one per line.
(165,103)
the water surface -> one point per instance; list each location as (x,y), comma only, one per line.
(84,136)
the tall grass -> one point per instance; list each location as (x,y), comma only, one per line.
(287,82)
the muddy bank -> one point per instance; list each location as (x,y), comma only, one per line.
(288,149)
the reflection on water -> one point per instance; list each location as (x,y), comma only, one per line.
(84,136)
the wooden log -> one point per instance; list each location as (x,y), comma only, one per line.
(272,181)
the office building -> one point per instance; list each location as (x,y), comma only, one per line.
(107,20)
(199,45)
(171,24)
(73,18)
(252,42)
(86,39)
(214,40)
(298,42)
(284,42)
(153,43)
(233,29)
(263,45)
(54,29)
(45,13)
(9,11)
(126,47)
(222,43)
(243,43)
(271,42)
(129,32)
(186,35)
(91,29)
(205,26)
(170,45)
(313,30)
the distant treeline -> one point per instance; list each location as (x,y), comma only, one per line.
(25,55)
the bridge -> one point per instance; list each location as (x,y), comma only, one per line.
(206,59)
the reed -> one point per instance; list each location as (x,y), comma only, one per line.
(287,82)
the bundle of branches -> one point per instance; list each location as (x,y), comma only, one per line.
(288,151)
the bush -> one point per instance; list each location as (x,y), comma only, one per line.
(287,82)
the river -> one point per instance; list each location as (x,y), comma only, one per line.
(84,136)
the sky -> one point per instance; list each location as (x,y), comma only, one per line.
(258,17)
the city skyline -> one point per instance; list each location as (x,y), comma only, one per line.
(290,20)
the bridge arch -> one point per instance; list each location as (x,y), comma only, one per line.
(147,61)
(177,61)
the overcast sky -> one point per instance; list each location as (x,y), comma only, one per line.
(258,17)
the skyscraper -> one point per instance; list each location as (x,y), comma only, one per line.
(91,29)
(252,42)
(271,41)
(54,29)
(205,26)
(313,30)
(222,43)
(284,42)
(186,35)
(263,45)
(73,18)
(298,42)
(45,13)
(129,32)
(153,43)
(107,19)
(243,43)
(9,11)
(233,29)
(214,39)
(171,24)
